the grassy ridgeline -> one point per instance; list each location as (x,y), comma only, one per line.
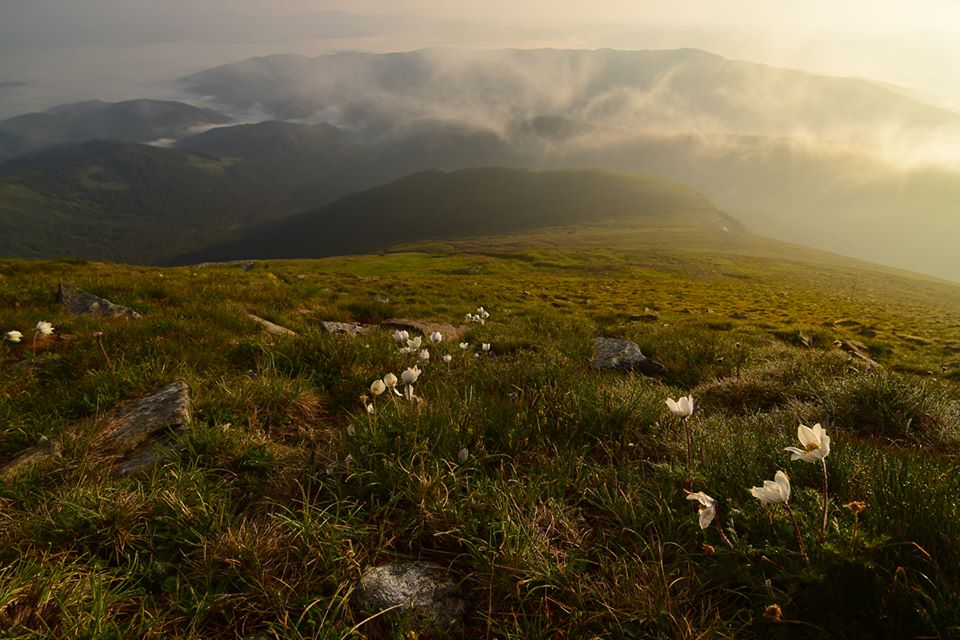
(569,518)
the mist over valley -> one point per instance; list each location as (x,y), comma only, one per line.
(836,163)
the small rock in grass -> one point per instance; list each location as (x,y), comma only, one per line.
(423,589)
(136,431)
(623,355)
(270,327)
(131,435)
(856,349)
(82,303)
(348,328)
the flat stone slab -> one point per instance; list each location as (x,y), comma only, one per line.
(623,355)
(857,350)
(347,328)
(425,589)
(270,327)
(425,327)
(130,436)
(136,430)
(81,303)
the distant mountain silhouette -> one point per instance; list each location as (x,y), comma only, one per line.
(437,205)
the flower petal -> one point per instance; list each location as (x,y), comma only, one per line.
(783,480)
(806,435)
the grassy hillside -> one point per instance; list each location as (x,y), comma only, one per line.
(122,201)
(567,518)
(445,205)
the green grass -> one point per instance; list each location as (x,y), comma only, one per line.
(569,518)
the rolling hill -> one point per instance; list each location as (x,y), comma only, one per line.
(439,205)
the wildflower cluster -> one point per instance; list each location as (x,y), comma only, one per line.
(43,328)
(815,448)
(480,317)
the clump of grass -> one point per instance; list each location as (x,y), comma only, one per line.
(893,407)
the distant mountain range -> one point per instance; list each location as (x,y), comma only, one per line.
(673,91)
(810,159)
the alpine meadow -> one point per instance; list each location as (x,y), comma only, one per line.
(414,320)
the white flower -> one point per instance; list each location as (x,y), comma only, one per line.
(390,381)
(463,455)
(370,408)
(708,507)
(378,387)
(44,328)
(776,492)
(414,343)
(401,336)
(13,336)
(682,408)
(815,441)
(485,346)
(482,313)
(424,355)
(436,336)
(410,375)
(447,358)
(464,345)
(351,430)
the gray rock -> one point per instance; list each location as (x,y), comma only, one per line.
(623,355)
(82,303)
(135,431)
(422,588)
(37,456)
(348,328)
(130,436)
(857,350)
(449,331)
(270,327)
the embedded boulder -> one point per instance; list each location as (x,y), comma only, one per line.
(422,589)
(134,433)
(129,437)
(81,303)
(623,355)
(345,328)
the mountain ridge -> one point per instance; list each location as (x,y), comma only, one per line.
(442,205)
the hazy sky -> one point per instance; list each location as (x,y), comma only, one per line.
(55,51)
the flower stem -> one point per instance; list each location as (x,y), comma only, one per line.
(686,431)
(723,536)
(826,500)
(796,530)
(99,336)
